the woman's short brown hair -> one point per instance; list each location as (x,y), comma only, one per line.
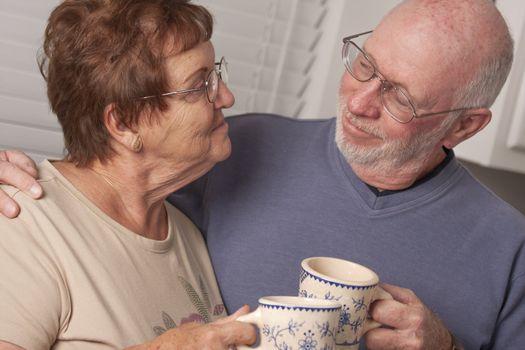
(98,52)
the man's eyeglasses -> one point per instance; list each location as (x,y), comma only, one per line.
(394,98)
(210,85)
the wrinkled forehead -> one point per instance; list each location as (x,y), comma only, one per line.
(181,66)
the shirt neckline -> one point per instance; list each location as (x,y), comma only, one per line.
(156,246)
(449,156)
(424,189)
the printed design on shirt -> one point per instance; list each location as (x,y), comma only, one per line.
(201,302)
(169,323)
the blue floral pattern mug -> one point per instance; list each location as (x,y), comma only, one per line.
(295,323)
(353,285)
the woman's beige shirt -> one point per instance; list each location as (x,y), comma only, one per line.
(73,278)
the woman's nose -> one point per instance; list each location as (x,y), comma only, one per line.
(225,98)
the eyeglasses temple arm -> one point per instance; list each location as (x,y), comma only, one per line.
(348,38)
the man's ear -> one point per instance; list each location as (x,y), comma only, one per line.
(120,132)
(468,124)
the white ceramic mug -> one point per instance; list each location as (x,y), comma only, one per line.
(353,285)
(287,322)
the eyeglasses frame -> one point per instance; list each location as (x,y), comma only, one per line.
(220,73)
(376,74)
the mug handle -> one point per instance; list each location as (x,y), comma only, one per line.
(380,294)
(253,317)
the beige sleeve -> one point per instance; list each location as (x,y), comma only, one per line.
(31,287)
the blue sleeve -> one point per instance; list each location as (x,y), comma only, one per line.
(509,333)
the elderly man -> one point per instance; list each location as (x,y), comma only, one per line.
(380,185)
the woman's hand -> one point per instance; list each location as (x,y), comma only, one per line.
(222,334)
(18,170)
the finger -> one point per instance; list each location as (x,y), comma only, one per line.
(382,338)
(8,207)
(391,313)
(241,311)
(21,160)
(13,175)
(238,333)
(403,295)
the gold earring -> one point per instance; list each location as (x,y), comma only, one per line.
(136,145)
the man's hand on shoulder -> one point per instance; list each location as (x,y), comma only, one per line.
(18,170)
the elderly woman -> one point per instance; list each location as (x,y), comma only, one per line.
(103,261)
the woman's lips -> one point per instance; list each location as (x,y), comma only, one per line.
(220,125)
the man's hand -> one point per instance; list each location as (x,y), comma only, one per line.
(413,325)
(18,170)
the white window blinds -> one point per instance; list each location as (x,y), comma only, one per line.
(271,46)
(274,48)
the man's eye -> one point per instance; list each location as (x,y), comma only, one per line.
(364,64)
(401,97)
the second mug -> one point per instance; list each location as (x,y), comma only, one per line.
(294,323)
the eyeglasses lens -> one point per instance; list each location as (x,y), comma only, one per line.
(223,70)
(394,100)
(396,103)
(212,86)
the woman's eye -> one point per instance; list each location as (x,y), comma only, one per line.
(196,92)
(199,84)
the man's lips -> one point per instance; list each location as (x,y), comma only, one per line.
(353,130)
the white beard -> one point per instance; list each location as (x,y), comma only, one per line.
(410,155)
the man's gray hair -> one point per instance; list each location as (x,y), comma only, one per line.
(486,84)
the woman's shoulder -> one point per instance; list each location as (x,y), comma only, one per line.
(36,214)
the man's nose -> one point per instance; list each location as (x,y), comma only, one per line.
(365,99)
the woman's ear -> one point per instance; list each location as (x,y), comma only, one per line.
(468,124)
(121,133)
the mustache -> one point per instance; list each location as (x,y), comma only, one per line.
(359,122)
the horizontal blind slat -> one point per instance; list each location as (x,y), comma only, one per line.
(244,76)
(32,139)
(309,10)
(260,29)
(21,30)
(18,57)
(27,112)
(238,49)
(36,9)
(29,86)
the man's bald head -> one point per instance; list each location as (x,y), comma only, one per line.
(473,35)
